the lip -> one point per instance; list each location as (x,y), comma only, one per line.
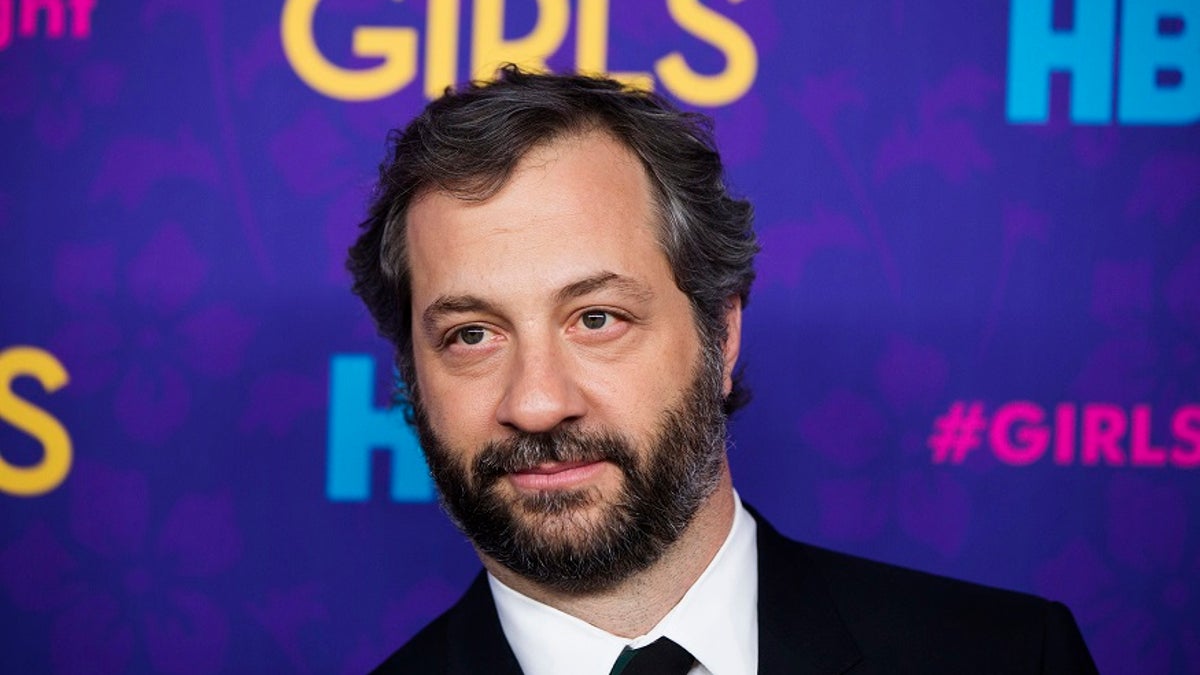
(555,475)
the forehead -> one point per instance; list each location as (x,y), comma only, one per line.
(572,207)
(588,156)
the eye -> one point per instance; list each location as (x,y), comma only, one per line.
(469,335)
(595,319)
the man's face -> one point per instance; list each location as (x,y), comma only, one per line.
(568,408)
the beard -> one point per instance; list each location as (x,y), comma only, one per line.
(580,540)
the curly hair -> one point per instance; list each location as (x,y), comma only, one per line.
(468,142)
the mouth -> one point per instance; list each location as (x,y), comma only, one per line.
(555,475)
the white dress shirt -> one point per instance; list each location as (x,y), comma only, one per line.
(716,620)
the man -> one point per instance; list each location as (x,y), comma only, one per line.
(563,273)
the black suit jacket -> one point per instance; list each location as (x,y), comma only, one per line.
(820,612)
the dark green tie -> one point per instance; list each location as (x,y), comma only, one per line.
(661,657)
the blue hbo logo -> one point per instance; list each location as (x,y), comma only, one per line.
(1155,78)
(358,429)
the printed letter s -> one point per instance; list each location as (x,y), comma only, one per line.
(741,57)
(1186,426)
(30,481)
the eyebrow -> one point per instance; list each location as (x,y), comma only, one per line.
(601,281)
(452,304)
(462,304)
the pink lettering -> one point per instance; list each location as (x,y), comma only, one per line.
(55,17)
(1104,425)
(1141,451)
(6,23)
(1031,439)
(1186,427)
(19,18)
(1064,434)
(81,17)
(1021,433)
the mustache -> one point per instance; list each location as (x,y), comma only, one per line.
(565,444)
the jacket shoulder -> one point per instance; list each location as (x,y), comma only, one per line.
(903,620)
(869,590)
(465,639)
(908,616)
(427,652)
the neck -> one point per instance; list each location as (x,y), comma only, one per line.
(637,604)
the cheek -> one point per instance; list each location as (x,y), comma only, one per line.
(458,412)
(635,393)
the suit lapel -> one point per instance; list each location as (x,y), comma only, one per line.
(799,627)
(477,641)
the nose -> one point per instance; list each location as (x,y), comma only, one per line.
(541,391)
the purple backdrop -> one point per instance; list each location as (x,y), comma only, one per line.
(974,340)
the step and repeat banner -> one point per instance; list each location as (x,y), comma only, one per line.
(974,340)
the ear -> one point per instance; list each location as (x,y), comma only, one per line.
(733,340)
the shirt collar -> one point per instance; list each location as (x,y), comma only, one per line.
(716,620)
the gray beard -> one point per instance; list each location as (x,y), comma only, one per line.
(543,537)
